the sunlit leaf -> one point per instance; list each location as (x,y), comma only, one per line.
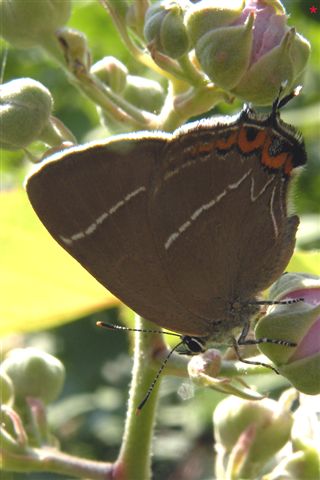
(41,285)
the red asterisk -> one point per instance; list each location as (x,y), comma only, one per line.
(313,9)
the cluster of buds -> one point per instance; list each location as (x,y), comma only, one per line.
(244,47)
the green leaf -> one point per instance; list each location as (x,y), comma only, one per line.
(41,285)
(305,262)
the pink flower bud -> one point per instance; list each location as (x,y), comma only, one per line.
(296,322)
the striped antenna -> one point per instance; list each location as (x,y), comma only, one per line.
(110,326)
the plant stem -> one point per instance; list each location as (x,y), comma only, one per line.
(161,63)
(194,76)
(116,106)
(135,453)
(195,101)
(51,460)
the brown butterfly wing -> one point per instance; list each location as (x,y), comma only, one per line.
(94,202)
(218,243)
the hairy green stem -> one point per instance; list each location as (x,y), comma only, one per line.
(135,455)
(51,460)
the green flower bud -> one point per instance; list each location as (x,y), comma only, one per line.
(224,53)
(25,108)
(250,52)
(144,93)
(111,72)
(262,82)
(26,24)
(75,46)
(154,17)
(34,374)
(304,374)
(174,37)
(298,323)
(299,54)
(164,28)
(260,428)
(6,389)
(204,16)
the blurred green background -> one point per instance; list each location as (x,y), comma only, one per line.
(89,417)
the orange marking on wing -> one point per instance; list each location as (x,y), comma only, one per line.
(275,162)
(247,146)
(227,143)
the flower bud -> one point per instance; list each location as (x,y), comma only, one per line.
(164,28)
(225,55)
(297,285)
(26,24)
(25,107)
(207,15)
(34,374)
(75,46)
(111,72)
(299,54)
(144,93)
(274,68)
(298,323)
(250,53)
(6,389)
(258,428)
